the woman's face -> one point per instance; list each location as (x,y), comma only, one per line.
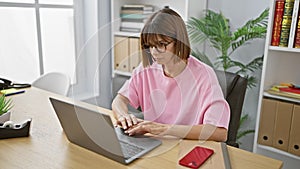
(163,51)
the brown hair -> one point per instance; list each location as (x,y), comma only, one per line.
(167,25)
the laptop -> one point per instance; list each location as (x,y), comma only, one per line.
(94,131)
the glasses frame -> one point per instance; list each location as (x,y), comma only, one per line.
(161,49)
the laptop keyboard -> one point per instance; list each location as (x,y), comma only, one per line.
(129,150)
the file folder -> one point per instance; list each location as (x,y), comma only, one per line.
(294,143)
(282,125)
(267,121)
(134,53)
(121,50)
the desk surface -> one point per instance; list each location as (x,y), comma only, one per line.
(47,146)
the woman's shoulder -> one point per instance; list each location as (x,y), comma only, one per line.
(197,65)
(140,69)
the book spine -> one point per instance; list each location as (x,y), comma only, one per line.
(139,25)
(286,23)
(134,16)
(138,7)
(294,24)
(130,29)
(278,14)
(297,32)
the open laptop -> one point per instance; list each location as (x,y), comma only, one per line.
(94,130)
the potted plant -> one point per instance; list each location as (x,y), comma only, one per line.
(5,106)
(214,29)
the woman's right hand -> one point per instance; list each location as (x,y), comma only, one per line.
(127,121)
(120,111)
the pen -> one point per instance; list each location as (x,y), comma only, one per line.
(17,92)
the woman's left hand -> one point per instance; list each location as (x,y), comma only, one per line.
(148,127)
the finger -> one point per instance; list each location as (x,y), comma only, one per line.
(122,120)
(128,120)
(135,130)
(139,120)
(152,128)
(133,119)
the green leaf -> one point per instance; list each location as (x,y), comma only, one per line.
(202,57)
(214,29)
(5,104)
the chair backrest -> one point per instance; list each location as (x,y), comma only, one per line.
(54,82)
(234,88)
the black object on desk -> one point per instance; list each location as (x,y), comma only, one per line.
(10,130)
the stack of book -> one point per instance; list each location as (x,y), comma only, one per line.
(286,90)
(133,17)
(285,21)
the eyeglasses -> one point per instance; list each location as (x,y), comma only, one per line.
(161,47)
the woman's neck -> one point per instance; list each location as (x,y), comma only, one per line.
(173,70)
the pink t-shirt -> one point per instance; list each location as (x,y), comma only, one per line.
(191,98)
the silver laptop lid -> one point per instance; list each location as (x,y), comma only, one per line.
(94,130)
(89,129)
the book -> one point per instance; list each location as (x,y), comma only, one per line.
(278,14)
(125,29)
(294,24)
(290,90)
(139,25)
(286,23)
(134,16)
(285,94)
(286,90)
(144,7)
(297,31)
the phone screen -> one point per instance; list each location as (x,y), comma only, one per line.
(196,157)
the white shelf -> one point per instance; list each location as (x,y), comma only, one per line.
(127,34)
(266,94)
(185,8)
(281,64)
(284,49)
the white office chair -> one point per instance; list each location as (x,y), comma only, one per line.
(54,82)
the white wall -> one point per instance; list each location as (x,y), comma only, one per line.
(239,11)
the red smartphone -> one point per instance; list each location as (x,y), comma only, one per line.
(196,157)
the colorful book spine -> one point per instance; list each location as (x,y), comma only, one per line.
(297,32)
(294,24)
(278,14)
(286,23)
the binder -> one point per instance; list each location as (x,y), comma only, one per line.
(294,143)
(267,121)
(282,125)
(121,50)
(134,53)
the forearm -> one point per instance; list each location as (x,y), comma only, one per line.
(119,106)
(198,132)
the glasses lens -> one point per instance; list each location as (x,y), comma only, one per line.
(161,47)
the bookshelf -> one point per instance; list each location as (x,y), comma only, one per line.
(125,44)
(281,64)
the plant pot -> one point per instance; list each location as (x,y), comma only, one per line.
(5,117)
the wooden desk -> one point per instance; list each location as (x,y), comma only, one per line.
(47,146)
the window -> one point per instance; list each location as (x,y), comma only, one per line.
(37,37)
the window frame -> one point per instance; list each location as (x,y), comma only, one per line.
(37,6)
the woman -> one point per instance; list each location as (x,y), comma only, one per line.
(179,95)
